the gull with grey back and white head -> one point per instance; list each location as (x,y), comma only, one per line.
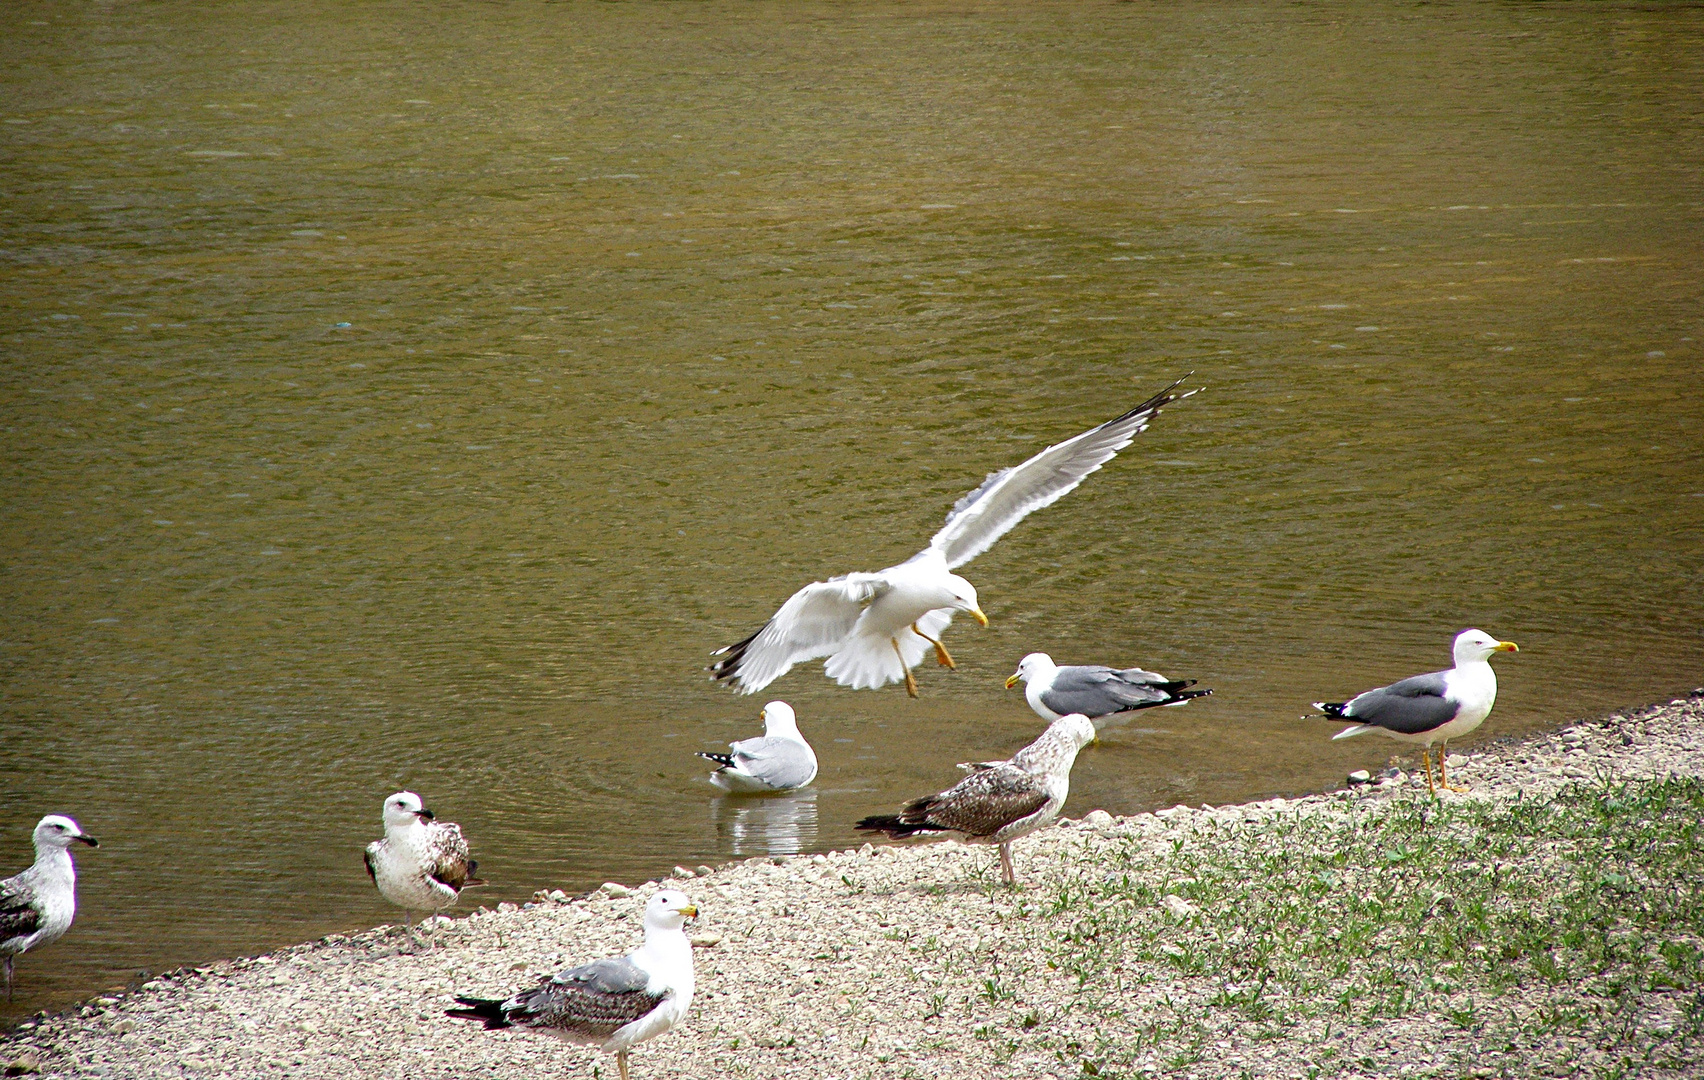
(999,801)
(612,1004)
(875,627)
(1431,708)
(422,864)
(1095,690)
(779,760)
(37,905)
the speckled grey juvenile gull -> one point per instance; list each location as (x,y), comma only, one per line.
(37,905)
(1432,708)
(612,1004)
(875,627)
(1000,800)
(1095,690)
(779,760)
(422,864)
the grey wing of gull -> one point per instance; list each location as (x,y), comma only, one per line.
(1096,691)
(780,762)
(1008,496)
(1411,707)
(593,1000)
(984,802)
(812,623)
(18,916)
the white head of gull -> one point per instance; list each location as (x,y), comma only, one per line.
(1431,708)
(37,905)
(781,760)
(612,1004)
(875,627)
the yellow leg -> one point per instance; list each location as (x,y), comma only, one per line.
(942,657)
(910,683)
(1443,780)
(1426,763)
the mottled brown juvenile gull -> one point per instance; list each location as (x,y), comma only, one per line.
(422,864)
(37,905)
(875,627)
(1095,690)
(779,760)
(612,1004)
(1000,800)
(1433,708)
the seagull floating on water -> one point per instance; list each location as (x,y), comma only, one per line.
(612,1004)
(999,801)
(1432,708)
(1095,690)
(875,627)
(779,760)
(37,905)
(422,864)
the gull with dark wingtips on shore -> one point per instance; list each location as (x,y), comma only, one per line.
(999,801)
(1432,708)
(37,905)
(613,1004)
(875,627)
(1095,690)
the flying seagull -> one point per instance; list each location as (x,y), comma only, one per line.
(36,906)
(422,863)
(875,627)
(613,1004)
(780,760)
(1432,708)
(1095,690)
(1000,800)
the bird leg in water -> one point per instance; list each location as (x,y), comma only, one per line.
(1007,874)
(621,1063)
(1444,780)
(942,657)
(910,682)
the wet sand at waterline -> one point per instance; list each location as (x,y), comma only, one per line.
(400,400)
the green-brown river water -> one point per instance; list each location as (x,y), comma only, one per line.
(408,395)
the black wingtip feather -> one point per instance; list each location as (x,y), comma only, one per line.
(486,1010)
(1333,710)
(724,760)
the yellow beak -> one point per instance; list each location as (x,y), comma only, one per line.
(1506,646)
(690,911)
(976,613)
(1013,681)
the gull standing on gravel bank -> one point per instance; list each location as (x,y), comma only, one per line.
(779,760)
(1095,690)
(36,906)
(1432,708)
(422,864)
(1000,800)
(874,628)
(613,1004)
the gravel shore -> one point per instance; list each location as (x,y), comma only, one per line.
(1127,952)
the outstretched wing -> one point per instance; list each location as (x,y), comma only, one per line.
(812,623)
(1010,495)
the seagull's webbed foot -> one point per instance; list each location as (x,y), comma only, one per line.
(910,680)
(942,656)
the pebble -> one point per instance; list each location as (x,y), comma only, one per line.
(615,890)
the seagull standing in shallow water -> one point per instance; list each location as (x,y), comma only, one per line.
(780,760)
(1432,708)
(36,906)
(999,801)
(875,627)
(612,1004)
(422,864)
(1094,690)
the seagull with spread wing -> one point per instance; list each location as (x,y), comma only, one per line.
(612,1004)
(999,801)
(1427,709)
(874,628)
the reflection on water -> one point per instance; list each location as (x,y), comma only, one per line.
(766,824)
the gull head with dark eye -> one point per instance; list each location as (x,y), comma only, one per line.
(669,909)
(57,830)
(963,598)
(1472,646)
(404,808)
